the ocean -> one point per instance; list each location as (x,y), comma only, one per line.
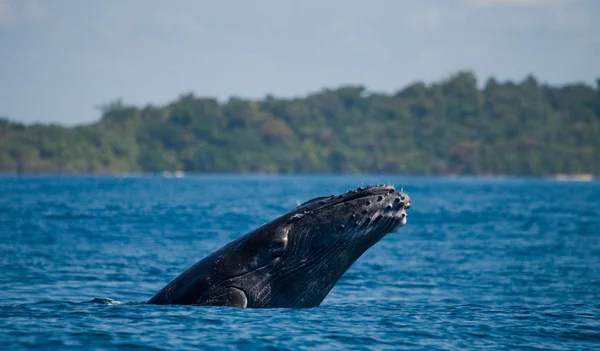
(483,263)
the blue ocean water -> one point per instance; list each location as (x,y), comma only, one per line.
(481,264)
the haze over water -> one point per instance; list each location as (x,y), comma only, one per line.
(508,263)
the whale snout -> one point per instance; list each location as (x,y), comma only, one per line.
(379,208)
(389,208)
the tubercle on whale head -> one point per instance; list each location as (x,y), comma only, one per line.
(360,192)
(362,206)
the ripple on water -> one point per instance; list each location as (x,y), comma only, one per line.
(482,263)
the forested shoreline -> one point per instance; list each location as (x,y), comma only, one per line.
(449,127)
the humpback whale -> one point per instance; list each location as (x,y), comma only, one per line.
(295,260)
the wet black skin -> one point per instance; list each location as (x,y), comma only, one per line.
(295,260)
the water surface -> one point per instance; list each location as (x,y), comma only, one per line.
(482,264)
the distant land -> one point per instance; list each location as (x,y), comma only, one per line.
(452,127)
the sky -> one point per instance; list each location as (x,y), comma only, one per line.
(61,59)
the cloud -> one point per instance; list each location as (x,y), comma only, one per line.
(539,3)
(428,18)
(23,11)
(33,9)
(5,12)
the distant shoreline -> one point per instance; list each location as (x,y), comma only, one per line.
(451,127)
(578,178)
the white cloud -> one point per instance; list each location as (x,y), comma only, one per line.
(5,12)
(428,18)
(512,2)
(14,12)
(33,9)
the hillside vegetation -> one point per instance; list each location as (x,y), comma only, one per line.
(450,127)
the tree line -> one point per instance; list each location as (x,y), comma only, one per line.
(448,127)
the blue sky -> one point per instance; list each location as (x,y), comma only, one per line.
(59,59)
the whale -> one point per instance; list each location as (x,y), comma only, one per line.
(296,259)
